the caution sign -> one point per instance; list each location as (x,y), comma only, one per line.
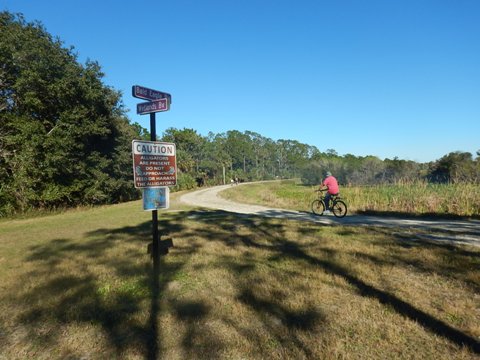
(154,164)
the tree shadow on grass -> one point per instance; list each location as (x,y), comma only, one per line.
(82,296)
(197,340)
(452,261)
(104,279)
(281,246)
(283,323)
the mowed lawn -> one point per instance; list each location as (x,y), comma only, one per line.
(77,285)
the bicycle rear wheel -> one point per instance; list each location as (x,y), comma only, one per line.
(318,207)
(339,208)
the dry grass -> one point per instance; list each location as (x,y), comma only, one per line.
(78,285)
(419,198)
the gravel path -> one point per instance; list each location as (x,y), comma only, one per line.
(438,230)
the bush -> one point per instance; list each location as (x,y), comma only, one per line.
(185,182)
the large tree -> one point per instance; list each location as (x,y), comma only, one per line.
(455,167)
(190,148)
(64,137)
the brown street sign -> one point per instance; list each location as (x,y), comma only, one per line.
(153,106)
(142,92)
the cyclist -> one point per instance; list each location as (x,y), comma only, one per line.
(331,185)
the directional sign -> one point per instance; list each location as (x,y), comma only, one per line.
(154,164)
(153,106)
(149,94)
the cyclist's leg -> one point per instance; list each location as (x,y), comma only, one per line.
(327,201)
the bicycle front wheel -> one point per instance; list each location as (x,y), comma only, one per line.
(339,209)
(318,207)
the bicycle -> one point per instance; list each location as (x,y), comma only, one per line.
(337,205)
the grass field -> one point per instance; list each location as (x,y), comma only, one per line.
(77,285)
(419,198)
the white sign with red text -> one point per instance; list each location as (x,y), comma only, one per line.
(154,164)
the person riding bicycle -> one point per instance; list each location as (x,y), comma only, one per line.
(331,185)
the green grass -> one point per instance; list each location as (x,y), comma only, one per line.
(79,285)
(418,198)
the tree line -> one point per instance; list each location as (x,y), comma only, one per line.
(217,158)
(65,138)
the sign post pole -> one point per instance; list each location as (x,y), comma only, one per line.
(149,161)
(155,245)
(156,258)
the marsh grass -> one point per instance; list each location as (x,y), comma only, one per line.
(414,198)
(418,198)
(78,285)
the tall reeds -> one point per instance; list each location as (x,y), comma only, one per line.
(418,197)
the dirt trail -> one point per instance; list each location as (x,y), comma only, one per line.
(438,230)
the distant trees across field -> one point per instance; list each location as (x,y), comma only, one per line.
(65,139)
(251,156)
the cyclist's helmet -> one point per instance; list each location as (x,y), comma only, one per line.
(328,173)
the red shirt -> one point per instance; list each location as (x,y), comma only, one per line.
(331,183)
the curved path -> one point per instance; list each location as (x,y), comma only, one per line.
(445,231)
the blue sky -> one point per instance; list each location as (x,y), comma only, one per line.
(385,78)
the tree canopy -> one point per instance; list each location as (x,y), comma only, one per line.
(64,136)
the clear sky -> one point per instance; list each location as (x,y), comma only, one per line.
(366,77)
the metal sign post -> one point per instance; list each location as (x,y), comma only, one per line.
(155,247)
(159,101)
(160,172)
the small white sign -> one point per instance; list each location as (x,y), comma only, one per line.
(156,198)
